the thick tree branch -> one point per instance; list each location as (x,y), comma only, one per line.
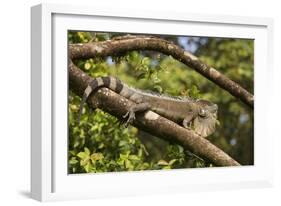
(120,45)
(151,122)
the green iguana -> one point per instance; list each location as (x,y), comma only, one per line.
(200,115)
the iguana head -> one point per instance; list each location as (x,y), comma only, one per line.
(205,122)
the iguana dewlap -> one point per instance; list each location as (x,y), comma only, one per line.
(200,114)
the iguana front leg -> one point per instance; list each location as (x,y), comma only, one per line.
(141,107)
(186,121)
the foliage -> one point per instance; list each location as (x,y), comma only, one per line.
(100,143)
(235,59)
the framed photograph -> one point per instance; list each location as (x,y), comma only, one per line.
(135,102)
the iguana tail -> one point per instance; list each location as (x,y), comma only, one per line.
(110,82)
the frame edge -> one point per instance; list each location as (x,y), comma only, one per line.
(36,137)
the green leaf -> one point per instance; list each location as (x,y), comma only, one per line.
(145,61)
(73,161)
(180,148)
(141,76)
(124,156)
(87,151)
(88,167)
(82,155)
(122,143)
(85,161)
(129,165)
(156,80)
(162,163)
(171,162)
(96,156)
(120,162)
(87,66)
(101,145)
(158,88)
(134,157)
(194,92)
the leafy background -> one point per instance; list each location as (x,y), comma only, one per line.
(101,144)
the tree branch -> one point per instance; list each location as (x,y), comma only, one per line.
(120,45)
(151,122)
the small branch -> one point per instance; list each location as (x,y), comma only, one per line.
(150,122)
(121,45)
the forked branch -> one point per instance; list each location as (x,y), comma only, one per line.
(121,45)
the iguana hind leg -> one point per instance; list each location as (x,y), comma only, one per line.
(141,107)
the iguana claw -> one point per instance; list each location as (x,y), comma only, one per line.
(130,119)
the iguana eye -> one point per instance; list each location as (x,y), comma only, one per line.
(202,112)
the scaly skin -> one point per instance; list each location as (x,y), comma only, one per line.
(200,114)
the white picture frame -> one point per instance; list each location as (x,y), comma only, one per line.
(49,177)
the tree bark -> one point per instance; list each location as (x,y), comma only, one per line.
(121,45)
(149,121)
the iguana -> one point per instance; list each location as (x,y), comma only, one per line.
(200,115)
